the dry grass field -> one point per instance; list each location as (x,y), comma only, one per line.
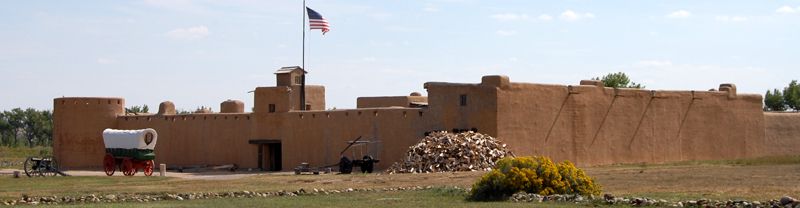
(753,179)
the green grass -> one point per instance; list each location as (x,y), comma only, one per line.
(12,157)
(13,188)
(427,198)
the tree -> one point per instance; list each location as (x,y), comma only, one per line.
(16,119)
(774,101)
(137,109)
(618,80)
(791,95)
(5,129)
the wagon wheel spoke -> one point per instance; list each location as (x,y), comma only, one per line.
(108,164)
(148,168)
(127,167)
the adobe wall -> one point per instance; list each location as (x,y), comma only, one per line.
(447,113)
(195,139)
(388,101)
(592,125)
(318,137)
(287,98)
(78,125)
(782,133)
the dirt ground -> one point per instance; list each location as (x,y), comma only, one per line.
(713,181)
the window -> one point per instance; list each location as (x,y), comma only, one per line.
(297,79)
(271,108)
(463,100)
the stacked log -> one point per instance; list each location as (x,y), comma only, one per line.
(449,152)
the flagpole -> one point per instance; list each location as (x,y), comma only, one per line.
(303,75)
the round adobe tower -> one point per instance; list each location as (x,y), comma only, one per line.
(78,124)
(231,106)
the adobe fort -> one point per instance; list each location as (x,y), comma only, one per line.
(588,124)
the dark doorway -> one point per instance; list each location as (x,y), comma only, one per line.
(274,157)
(269,154)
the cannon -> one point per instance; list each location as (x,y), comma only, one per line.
(42,166)
(129,151)
(367,161)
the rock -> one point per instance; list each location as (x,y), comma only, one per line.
(786,200)
(608,196)
(179,198)
(680,204)
(110,197)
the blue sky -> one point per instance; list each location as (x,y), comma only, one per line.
(200,53)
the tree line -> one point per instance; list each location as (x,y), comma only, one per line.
(783,100)
(29,127)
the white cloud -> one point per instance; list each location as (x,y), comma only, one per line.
(106,61)
(679,14)
(786,10)
(571,16)
(509,17)
(506,32)
(545,17)
(192,33)
(731,18)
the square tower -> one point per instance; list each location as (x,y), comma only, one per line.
(289,76)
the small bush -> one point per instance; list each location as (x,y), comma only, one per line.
(532,175)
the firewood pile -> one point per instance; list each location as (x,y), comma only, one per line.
(449,152)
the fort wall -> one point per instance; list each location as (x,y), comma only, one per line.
(389,101)
(318,137)
(782,133)
(592,125)
(78,125)
(194,139)
(587,124)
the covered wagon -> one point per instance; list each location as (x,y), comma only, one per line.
(129,150)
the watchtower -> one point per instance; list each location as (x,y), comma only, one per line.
(78,124)
(285,96)
(289,76)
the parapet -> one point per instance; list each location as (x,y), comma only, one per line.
(728,87)
(597,83)
(166,108)
(500,81)
(231,106)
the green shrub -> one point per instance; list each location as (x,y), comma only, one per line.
(532,175)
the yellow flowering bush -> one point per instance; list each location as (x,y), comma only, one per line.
(536,174)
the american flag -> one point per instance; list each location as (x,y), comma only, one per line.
(316,21)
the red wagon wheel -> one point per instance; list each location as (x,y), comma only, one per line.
(108,164)
(148,168)
(127,167)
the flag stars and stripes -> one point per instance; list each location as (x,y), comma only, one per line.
(317,22)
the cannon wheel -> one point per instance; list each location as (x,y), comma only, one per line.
(127,167)
(368,164)
(48,166)
(345,166)
(31,168)
(148,168)
(108,164)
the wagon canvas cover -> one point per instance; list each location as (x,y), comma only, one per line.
(130,139)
